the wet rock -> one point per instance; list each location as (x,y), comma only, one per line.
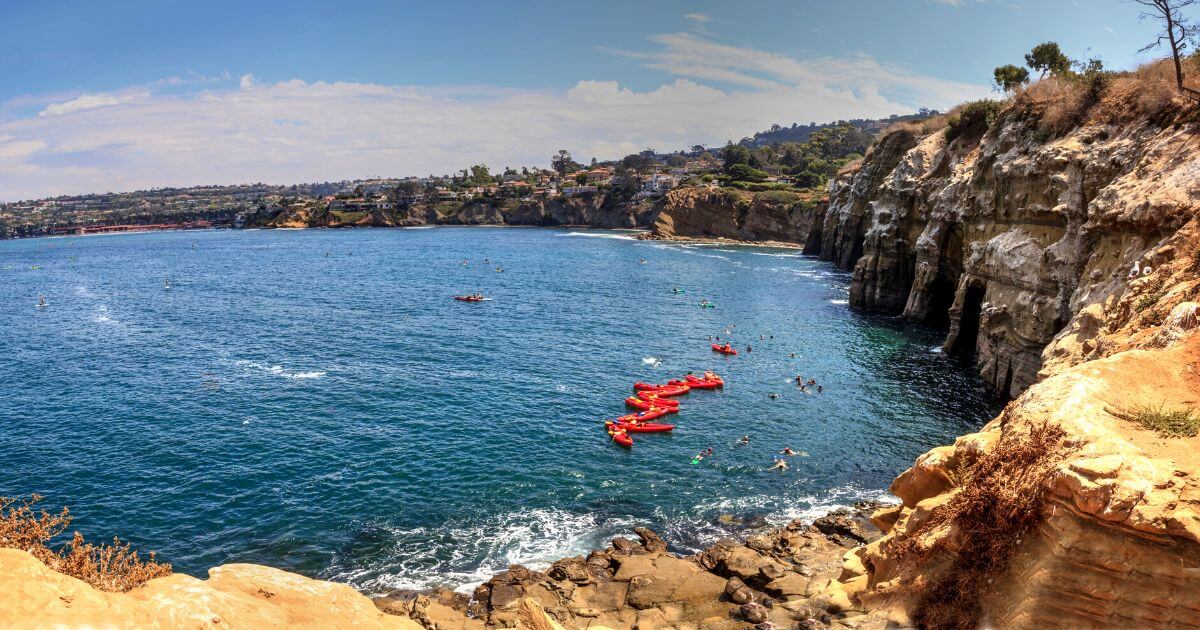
(847,528)
(651,541)
(624,545)
(570,569)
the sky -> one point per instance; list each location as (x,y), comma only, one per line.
(133,94)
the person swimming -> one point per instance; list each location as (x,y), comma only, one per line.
(772,396)
(787,450)
(820,389)
(744,441)
(780,465)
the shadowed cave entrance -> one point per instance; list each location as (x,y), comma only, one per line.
(968,321)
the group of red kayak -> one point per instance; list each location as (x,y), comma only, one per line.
(653,402)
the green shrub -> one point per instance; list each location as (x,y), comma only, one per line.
(973,119)
(777,196)
(746,173)
(1167,423)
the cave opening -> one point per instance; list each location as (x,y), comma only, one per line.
(941,298)
(968,320)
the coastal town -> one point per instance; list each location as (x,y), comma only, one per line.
(794,158)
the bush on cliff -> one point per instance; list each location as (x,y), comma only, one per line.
(114,567)
(746,173)
(998,502)
(780,197)
(972,119)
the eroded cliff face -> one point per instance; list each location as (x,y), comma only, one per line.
(724,213)
(1002,239)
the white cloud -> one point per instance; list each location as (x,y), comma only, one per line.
(85,102)
(293,131)
(698,17)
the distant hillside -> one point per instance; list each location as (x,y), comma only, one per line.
(800,133)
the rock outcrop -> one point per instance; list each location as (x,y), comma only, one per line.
(785,577)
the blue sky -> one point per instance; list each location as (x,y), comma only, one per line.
(118,95)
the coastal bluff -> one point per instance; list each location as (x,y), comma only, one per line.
(1067,266)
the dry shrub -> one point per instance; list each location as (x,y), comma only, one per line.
(115,567)
(1100,97)
(853,166)
(998,503)
(922,128)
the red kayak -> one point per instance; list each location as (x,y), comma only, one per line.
(651,413)
(640,386)
(468,298)
(710,377)
(698,383)
(658,400)
(620,437)
(649,427)
(724,349)
(647,406)
(668,390)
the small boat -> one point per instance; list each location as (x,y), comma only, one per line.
(652,413)
(620,436)
(648,427)
(670,389)
(648,405)
(709,377)
(653,397)
(698,383)
(469,298)
(726,349)
(707,305)
(678,290)
(640,386)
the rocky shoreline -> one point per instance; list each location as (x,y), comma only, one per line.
(776,578)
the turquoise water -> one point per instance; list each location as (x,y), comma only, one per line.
(314,400)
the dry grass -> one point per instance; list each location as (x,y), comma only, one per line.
(1178,423)
(922,128)
(853,166)
(998,502)
(115,567)
(1147,93)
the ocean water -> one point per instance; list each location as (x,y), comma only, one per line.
(314,400)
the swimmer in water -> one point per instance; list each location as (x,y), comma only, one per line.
(780,465)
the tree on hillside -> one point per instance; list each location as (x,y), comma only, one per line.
(1048,57)
(637,162)
(562,163)
(735,154)
(1009,77)
(480,175)
(1177,30)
